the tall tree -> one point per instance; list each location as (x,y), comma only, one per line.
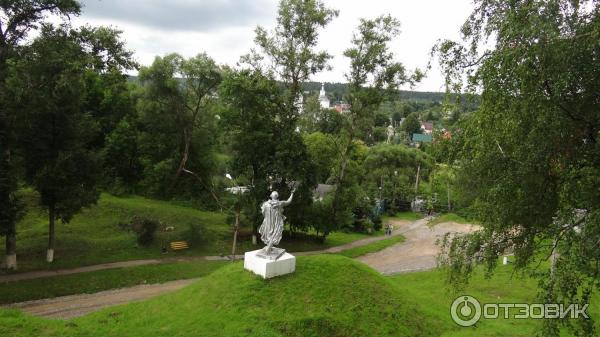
(180,92)
(289,54)
(373,76)
(290,50)
(251,118)
(48,84)
(411,124)
(531,154)
(17,19)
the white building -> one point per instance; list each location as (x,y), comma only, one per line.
(323,99)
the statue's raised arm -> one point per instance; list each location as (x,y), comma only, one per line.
(289,201)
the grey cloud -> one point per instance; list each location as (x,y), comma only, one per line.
(182,15)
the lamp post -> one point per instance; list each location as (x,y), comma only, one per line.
(235,190)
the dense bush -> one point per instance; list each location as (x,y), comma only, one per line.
(195,233)
(145,230)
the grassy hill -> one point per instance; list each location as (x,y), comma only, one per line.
(99,234)
(329,295)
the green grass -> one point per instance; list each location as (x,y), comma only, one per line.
(92,282)
(328,295)
(94,235)
(372,247)
(409,216)
(435,298)
(449,217)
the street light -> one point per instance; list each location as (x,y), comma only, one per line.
(235,190)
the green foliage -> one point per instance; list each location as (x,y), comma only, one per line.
(267,152)
(291,48)
(411,124)
(56,132)
(529,155)
(322,151)
(177,125)
(17,19)
(145,230)
(394,169)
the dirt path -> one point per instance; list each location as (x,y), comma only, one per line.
(418,251)
(78,305)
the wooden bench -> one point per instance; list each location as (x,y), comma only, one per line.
(179,245)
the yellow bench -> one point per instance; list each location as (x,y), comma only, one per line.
(179,245)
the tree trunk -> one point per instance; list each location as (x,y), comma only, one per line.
(51,234)
(235,234)
(417,180)
(11,251)
(449,204)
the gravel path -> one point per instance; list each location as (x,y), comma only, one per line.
(418,251)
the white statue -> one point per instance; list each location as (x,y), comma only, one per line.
(272,225)
(390,133)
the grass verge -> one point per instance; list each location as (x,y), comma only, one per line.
(449,217)
(409,216)
(92,282)
(372,247)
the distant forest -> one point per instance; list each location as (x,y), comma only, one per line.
(336,91)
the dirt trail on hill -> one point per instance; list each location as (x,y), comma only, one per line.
(66,307)
(418,251)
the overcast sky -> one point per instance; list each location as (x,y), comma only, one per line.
(224,29)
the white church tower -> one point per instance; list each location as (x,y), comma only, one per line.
(323,100)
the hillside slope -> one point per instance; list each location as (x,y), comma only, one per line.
(328,295)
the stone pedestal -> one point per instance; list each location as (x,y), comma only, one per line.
(266,268)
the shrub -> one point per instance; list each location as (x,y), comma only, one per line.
(195,233)
(145,230)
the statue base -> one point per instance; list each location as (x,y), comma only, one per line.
(273,255)
(268,268)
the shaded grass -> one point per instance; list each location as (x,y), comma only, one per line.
(94,236)
(449,217)
(372,247)
(409,216)
(328,295)
(92,282)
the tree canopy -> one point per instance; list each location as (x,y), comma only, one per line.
(529,155)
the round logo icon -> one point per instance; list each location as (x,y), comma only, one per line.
(465,311)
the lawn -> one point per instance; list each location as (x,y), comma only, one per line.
(95,235)
(93,282)
(435,298)
(328,295)
(449,217)
(409,216)
(372,247)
